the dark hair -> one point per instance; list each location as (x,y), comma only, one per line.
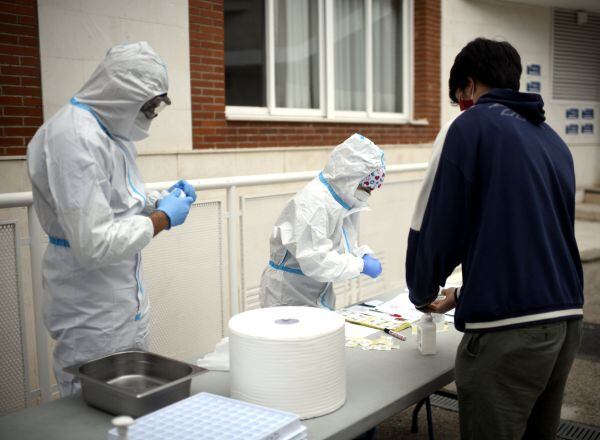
(496,64)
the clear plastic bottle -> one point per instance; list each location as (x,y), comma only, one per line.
(426,334)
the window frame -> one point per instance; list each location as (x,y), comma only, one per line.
(327,112)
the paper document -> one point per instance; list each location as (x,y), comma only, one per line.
(368,317)
(401,305)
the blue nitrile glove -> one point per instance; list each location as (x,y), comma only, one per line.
(177,208)
(372,266)
(185,186)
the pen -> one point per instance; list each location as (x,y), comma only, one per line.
(395,334)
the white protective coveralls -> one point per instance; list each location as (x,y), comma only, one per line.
(91,201)
(314,240)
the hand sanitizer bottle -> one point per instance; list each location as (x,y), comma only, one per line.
(426,333)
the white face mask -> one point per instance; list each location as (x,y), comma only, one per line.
(141,128)
(361,195)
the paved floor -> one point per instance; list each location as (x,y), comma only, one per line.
(582,395)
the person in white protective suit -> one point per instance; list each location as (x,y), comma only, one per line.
(314,240)
(91,201)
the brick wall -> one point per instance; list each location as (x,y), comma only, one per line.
(21,102)
(212,130)
(20,78)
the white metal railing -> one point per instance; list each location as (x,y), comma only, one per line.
(230,184)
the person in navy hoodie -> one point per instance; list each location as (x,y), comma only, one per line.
(499,199)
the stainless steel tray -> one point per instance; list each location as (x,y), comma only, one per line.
(134,382)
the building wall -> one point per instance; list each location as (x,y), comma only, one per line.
(529,29)
(20,92)
(75,35)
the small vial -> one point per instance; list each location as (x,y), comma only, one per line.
(426,334)
(440,321)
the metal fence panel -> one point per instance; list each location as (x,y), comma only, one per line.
(14,383)
(183,273)
(259,214)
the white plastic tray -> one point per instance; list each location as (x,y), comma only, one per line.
(208,416)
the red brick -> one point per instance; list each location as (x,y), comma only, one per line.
(33,122)
(28,20)
(31,81)
(19,131)
(21,111)
(29,41)
(10,80)
(21,91)
(29,61)
(8,18)
(11,142)
(200,4)
(20,70)
(35,101)
(19,9)
(10,100)
(19,50)
(8,39)
(21,2)
(9,59)
(16,151)
(18,30)
(6,121)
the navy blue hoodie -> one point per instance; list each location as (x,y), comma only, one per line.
(499,198)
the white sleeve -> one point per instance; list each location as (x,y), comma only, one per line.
(80,185)
(151,199)
(364,250)
(425,190)
(314,251)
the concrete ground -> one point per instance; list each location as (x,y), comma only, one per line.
(582,395)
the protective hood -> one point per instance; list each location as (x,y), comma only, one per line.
(528,105)
(349,163)
(129,75)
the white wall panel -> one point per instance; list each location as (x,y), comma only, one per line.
(75,36)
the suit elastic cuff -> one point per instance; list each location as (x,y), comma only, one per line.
(148,230)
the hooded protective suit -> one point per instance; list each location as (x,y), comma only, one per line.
(314,241)
(91,201)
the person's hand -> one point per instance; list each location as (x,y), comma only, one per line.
(442,305)
(372,266)
(185,186)
(177,208)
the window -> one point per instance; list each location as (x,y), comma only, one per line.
(576,56)
(245,74)
(330,60)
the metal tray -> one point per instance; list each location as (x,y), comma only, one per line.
(134,382)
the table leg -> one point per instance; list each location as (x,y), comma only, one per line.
(415,417)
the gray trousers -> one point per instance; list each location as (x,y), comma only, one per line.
(511,382)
